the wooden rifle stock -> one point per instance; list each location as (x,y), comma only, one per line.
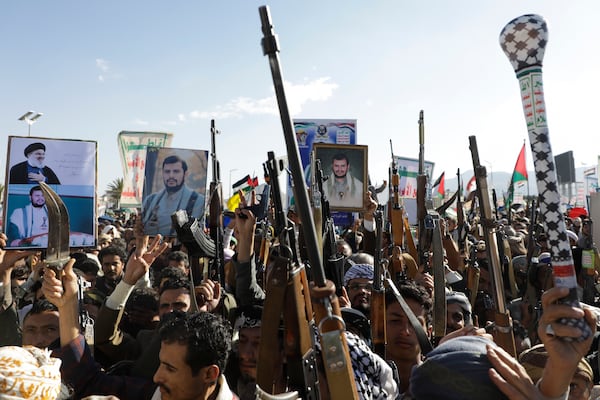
(288,299)
(503,332)
(378,325)
(336,356)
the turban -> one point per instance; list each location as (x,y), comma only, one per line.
(461,299)
(456,370)
(33,147)
(534,361)
(248,317)
(28,373)
(358,271)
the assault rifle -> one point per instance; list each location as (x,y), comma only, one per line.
(378,324)
(334,270)
(287,291)
(334,348)
(425,221)
(397,266)
(216,212)
(503,332)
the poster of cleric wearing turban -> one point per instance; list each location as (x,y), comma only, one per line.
(69,168)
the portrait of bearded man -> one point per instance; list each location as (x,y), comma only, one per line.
(34,169)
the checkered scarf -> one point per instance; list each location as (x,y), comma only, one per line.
(358,271)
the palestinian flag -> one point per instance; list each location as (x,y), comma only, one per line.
(519,175)
(246,184)
(439,184)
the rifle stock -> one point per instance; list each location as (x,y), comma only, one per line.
(378,325)
(503,332)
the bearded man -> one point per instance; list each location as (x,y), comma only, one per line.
(34,170)
(158,207)
(29,221)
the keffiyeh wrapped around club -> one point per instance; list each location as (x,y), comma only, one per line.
(28,373)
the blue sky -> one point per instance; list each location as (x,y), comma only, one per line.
(95,68)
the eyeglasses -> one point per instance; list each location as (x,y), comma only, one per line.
(357,286)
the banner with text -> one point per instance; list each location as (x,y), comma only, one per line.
(132,148)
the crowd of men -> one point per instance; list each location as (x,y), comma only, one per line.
(145,317)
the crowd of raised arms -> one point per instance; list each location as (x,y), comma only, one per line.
(139,317)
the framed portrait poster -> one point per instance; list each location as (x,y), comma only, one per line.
(345,167)
(69,167)
(175,179)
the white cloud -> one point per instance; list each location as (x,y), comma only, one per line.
(297,95)
(138,121)
(102,64)
(106,70)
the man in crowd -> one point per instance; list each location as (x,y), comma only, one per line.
(112,259)
(34,170)
(29,221)
(193,353)
(158,207)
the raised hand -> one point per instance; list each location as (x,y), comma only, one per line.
(140,261)
(208,295)
(59,292)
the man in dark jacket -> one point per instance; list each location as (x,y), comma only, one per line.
(34,170)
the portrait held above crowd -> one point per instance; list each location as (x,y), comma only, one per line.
(190,295)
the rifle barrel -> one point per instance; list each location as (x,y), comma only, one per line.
(271,48)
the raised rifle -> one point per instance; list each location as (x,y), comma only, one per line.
(334,264)
(216,213)
(430,235)
(425,222)
(397,267)
(503,331)
(287,299)
(378,324)
(336,357)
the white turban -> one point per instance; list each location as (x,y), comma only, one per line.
(28,373)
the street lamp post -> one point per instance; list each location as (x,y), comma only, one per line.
(30,117)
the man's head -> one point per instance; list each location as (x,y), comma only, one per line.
(40,325)
(174,170)
(247,324)
(193,353)
(180,260)
(174,296)
(36,196)
(340,165)
(358,281)
(402,339)
(35,154)
(458,311)
(112,259)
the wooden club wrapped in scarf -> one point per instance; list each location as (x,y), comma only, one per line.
(524,41)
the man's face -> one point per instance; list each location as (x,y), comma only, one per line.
(173,175)
(179,264)
(36,158)
(248,351)
(174,299)
(37,198)
(40,330)
(580,388)
(112,266)
(455,317)
(402,339)
(359,293)
(340,168)
(174,376)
